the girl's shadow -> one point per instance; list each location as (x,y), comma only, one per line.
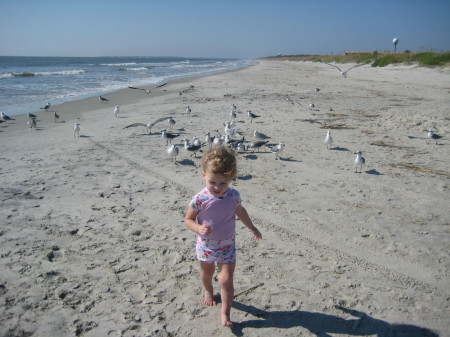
(323,325)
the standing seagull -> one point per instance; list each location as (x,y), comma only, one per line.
(32,123)
(116,111)
(344,73)
(103,99)
(168,136)
(260,136)
(257,144)
(328,139)
(6,117)
(191,148)
(56,116)
(359,161)
(188,111)
(277,150)
(171,122)
(432,135)
(251,115)
(46,107)
(76,130)
(172,151)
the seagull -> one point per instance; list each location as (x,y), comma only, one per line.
(233,115)
(191,148)
(148,125)
(56,116)
(168,136)
(277,150)
(293,101)
(76,130)
(432,135)
(188,111)
(172,151)
(6,117)
(260,136)
(240,147)
(257,144)
(46,107)
(30,115)
(148,91)
(103,99)
(344,73)
(328,139)
(32,123)
(116,111)
(196,141)
(233,107)
(359,161)
(251,115)
(311,105)
(171,122)
(209,139)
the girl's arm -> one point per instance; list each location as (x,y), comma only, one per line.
(242,214)
(191,223)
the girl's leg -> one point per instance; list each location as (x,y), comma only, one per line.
(206,275)
(226,274)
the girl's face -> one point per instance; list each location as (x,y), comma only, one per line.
(216,184)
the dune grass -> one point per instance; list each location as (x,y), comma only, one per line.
(376,59)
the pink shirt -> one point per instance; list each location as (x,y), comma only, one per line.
(217,212)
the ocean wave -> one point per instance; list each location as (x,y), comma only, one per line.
(118,64)
(134,69)
(43,73)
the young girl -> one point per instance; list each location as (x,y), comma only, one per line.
(211,214)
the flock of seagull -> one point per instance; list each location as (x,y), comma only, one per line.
(227,138)
(219,139)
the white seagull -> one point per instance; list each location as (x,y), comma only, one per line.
(76,130)
(168,136)
(5,117)
(32,123)
(328,139)
(116,111)
(252,115)
(359,161)
(277,150)
(46,107)
(56,116)
(171,122)
(432,135)
(260,136)
(172,151)
(188,111)
(148,125)
(344,73)
(191,148)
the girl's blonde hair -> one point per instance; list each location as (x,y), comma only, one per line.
(220,160)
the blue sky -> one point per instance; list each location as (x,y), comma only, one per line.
(212,28)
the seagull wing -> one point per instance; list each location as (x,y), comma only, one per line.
(335,67)
(159,120)
(356,65)
(161,85)
(134,125)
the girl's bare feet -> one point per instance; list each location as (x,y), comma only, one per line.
(226,321)
(209,299)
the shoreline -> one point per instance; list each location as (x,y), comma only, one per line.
(92,240)
(68,111)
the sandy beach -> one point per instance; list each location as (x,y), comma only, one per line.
(92,239)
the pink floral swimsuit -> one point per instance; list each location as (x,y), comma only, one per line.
(219,213)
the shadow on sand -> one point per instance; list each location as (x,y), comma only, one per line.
(323,325)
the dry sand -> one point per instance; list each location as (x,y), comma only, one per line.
(92,240)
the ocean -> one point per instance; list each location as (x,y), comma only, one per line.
(28,83)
